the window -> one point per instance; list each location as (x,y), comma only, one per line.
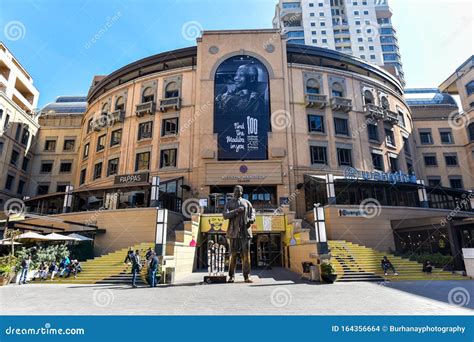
(430,160)
(470,88)
(116,137)
(359,40)
(344,157)
(425,138)
(1,147)
(147,95)
(318,155)
(46,167)
(356,12)
(9,182)
(470,130)
(366,12)
(323,32)
(401,119)
(372,56)
(120,104)
(315,123)
(69,145)
(341,126)
(50,145)
(142,161)
(312,86)
(389,137)
(314,41)
(410,168)
(85,154)
(384,102)
(65,167)
(311,5)
(25,136)
(434,182)
(97,170)
(377,161)
(368,97)
(337,90)
(361,48)
(14,158)
(112,167)
(25,163)
(362,56)
(89,125)
(313,24)
(406,146)
(6,123)
(168,158)
(393,164)
(451,160)
(455,182)
(172,90)
(357,22)
(21,186)
(373,131)
(313,32)
(42,189)
(446,137)
(169,127)
(82,177)
(100,143)
(322,23)
(18,132)
(145,130)
(61,187)
(324,40)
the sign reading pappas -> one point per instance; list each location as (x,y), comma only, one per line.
(241,109)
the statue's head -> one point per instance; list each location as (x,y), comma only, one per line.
(238,191)
(246,77)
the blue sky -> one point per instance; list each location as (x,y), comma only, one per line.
(63,44)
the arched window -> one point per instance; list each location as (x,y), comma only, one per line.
(172,90)
(120,103)
(384,102)
(337,90)
(105,107)
(368,97)
(147,95)
(470,129)
(312,86)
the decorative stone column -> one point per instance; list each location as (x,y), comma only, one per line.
(68,199)
(422,196)
(161,231)
(155,191)
(331,192)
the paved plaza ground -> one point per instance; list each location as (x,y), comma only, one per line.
(274,292)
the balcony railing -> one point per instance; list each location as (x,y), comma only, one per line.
(390,117)
(375,112)
(101,122)
(145,108)
(117,116)
(316,100)
(341,103)
(171,102)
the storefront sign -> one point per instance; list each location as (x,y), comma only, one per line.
(221,173)
(392,177)
(241,109)
(263,223)
(132,178)
(353,213)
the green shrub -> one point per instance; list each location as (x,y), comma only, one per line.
(437,259)
(327,269)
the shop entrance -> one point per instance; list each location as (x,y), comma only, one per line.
(265,250)
(262,197)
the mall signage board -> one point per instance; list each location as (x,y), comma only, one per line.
(131,178)
(354,174)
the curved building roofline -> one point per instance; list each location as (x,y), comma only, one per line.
(115,78)
(302,54)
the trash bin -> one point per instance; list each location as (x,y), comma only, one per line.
(314,270)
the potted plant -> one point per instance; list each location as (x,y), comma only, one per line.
(328,274)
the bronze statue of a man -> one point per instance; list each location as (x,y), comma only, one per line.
(241,215)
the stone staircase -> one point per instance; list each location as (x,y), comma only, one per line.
(106,269)
(354,262)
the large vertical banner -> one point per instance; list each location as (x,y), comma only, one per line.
(241,109)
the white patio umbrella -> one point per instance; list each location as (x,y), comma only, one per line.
(31,236)
(59,237)
(8,242)
(80,237)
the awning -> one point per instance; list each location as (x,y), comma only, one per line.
(31,236)
(8,242)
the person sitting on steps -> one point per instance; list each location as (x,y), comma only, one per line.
(387,265)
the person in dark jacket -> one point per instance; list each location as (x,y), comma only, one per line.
(128,258)
(136,266)
(427,267)
(25,266)
(387,265)
(153,268)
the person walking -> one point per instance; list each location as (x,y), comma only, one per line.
(25,266)
(152,269)
(128,258)
(136,266)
